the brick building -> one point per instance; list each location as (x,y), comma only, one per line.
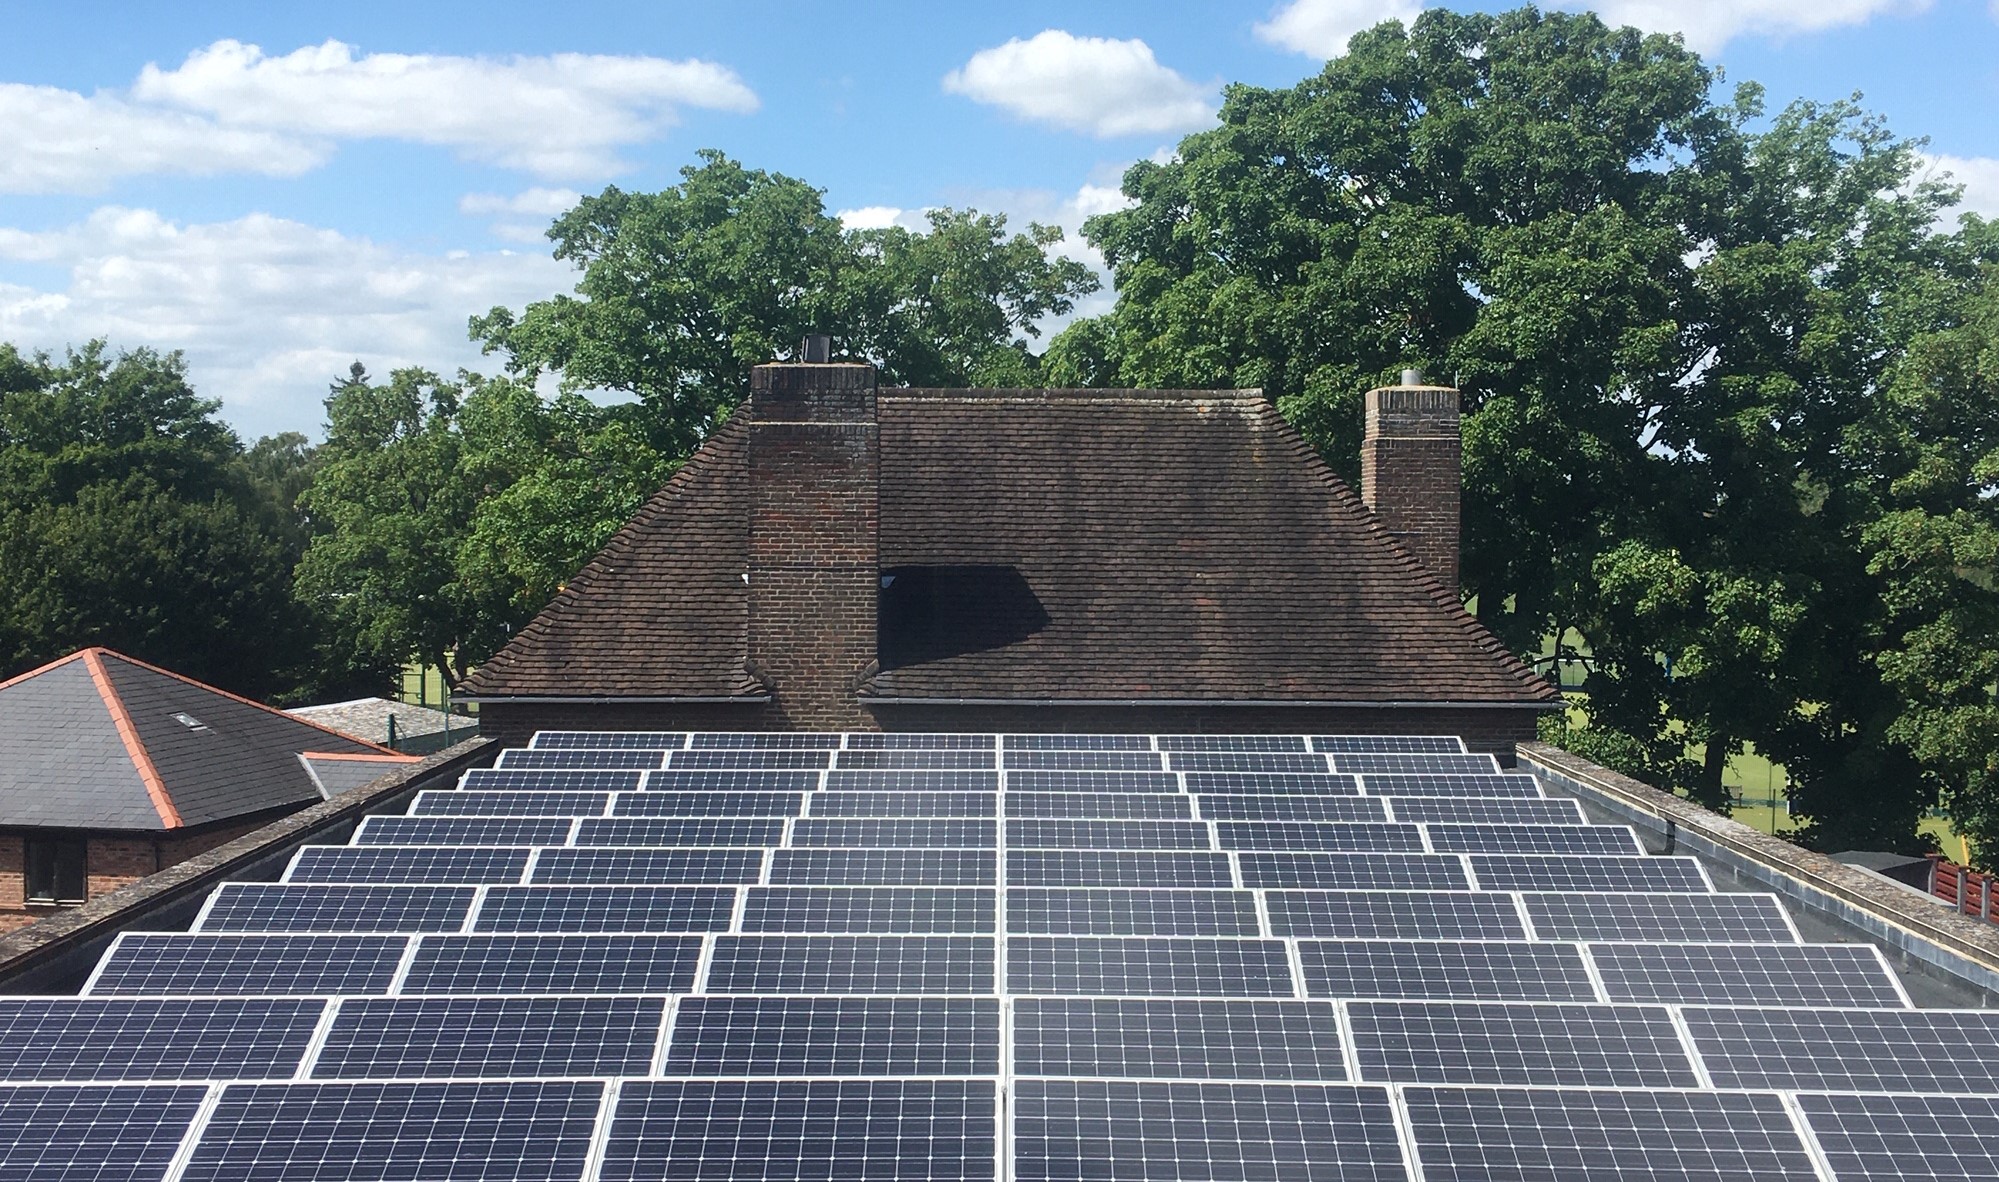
(840,556)
(111,769)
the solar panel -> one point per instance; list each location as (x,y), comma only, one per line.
(934,833)
(609,740)
(1056,833)
(1176,1038)
(1474,970)
(1153,1131)
(1404,763)
(1353,871)
(965,911)
(693,831)
(93,1134)
(1535,839)
(1386,744)
(831,867)
(884,1130)
(891,740)
(1430,784)
(1486,810)
(554,964)
(1077,742)
(1219,807)
(1122,806)
(1124,911)
(1554,872)
(1083,761)
(1141,966)
(1089,781)
(174,962)
(610,866)
(912,781)
(1532,1135)
(1942,1138)
(1083,868)
(579,760)
(1319,835)
(509,803)
(1393,915)
(1847,1050)
(1847,975)
(1565,1045)
(904,759)
(766,741)
(905,804)
(349,909)
(852,964)
(729,759)
(1265,762)
(740,780)
(1232,743)
(435,864)
(462,831)
(606,909)
(494,1037)
(1730,918)
(367,1132)
(839,1036)
(109,1039)
(549,780)
(1277,783)
(677,803)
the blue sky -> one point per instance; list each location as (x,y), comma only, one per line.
(281,189)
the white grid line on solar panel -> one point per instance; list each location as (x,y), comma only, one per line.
(1387,744)
(491,1037)
(1501,970)
(1232,743)
(912,781)
(929,833)
(1472,838)
(1320,835)
(943,1130)
(869,910)
(1570,1044)
(1273,807)
(1265,762)
(1084,868)
(741,780)
(904,804)
(608,740)
(1352,871)
(271,965)
(1912,1137)
(490,831)
(1557,872)
(348,908)
(1054,742)
(1131,911)
(734,759)
(928,740)
(640,866)
(1061,833)
(1847,976)
(549,780)
(1089,781)
(98,1133)
(1871,1050)
(435,865)
(1426,784)
(512,1131)
(766,740)
(605,909)
(679,831)
(737,805)
(1483,810)
(834,1035)
(508,802)
(1419,763)
(133,1040)
(1534,1134)
(1110,806)
(898,759)
(1082,761)
(851,964)
(824,866)
(1271,784)
(1149,1131)
(1156,966)
(553,963)
(572,760)
(1393,915)
(1177,1038)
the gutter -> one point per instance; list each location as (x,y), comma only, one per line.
(614,699)
(1257,703)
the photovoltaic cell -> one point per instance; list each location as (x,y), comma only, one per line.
(1083,761)
(852,964)
(1118,911)
(1232,743)
(1084,868)
(368,1132)
(1583,840)
(1518,1043)
(1247,761)
(934,833)
(708,804)
(92,1134)
(1726,918)
(110,1039)
(905,804)
(964,911)
(738,760)
(1554,872)
(1432,764)
(903,759)
(835,1036)
(1847,1050)
(1133,806)
(1154,966)
(428,864)
(835,867)
(462,831)
(1219,807)
(1912,1138)
(912,781)
(1846,975)
(1086,781)
(609,740)
(554,964)
(742,780)
(1050,833)
(1474,970)
(348,909)
(578,760)
(549,780)
(687,831)
(1487,810)
(1386,744)
(1319,835)
(1177,1038)
(494,1037)
(891,740)
(1393,915)
(610,866)
(891,1130)
(509,803)
(1428,784)
(766,741)
(1077,742)
(1352,871)
(606,909)
(1273,783)
(173,962)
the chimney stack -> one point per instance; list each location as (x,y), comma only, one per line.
(815,569)
(1412,469)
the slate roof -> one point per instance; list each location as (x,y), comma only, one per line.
(1048,545)
(100,741)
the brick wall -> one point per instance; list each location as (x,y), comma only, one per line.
(109,862)
(1412,471)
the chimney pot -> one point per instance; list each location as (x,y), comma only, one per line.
(1412,377)
(816,349)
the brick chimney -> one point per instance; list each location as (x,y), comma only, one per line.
(1412,469)
(814,562)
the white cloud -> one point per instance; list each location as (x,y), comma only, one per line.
(1708,25)
(1320,28)
(1978,174)
(268,310)
(561,115)
(881,217)
(59,141)
(523,217)
(1091,84)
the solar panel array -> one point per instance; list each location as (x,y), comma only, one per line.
(813,956)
